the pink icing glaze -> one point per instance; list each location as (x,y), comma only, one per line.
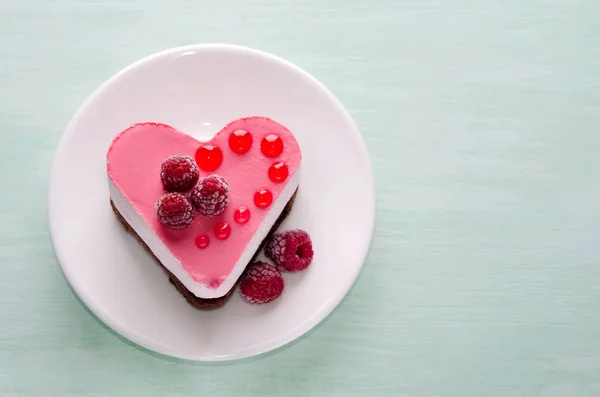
(133,163)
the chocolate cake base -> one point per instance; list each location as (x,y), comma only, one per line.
(200,303)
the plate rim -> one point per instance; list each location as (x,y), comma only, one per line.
(137,339)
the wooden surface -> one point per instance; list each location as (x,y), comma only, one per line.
(482,119)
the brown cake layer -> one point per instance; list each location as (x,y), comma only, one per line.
(200,303)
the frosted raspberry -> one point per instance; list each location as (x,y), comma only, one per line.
(210,196)
(179,173)
(262,283)
(174,210)
(291,250)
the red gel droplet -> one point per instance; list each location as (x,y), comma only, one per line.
(278,172)
(271,145)
(242,215)
(222,230)
(240,141)
(209,157)
(202,241)
(263,198)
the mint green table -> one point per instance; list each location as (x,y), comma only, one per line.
(483,122)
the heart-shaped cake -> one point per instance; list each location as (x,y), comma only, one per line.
(231,193)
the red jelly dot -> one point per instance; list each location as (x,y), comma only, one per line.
(263,198)
(240,141)
(278,172)
(271,145)
(209,157)
(202,241)
(242,215)
(222,230)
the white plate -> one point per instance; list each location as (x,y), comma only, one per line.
(198,89)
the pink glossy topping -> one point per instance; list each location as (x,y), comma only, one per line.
(134,159)
(222,230)
(209,157)
(278,172)
(263,198)
(202,240)
(241,215)
(240,141)
(271,145)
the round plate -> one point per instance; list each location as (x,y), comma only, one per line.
(198,89)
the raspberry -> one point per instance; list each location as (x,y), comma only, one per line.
(291,250)
(262,283)
(210,196)
(179,173)
(174,210)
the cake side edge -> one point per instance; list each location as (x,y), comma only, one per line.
(206,303)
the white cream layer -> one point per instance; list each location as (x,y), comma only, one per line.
(160,250)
